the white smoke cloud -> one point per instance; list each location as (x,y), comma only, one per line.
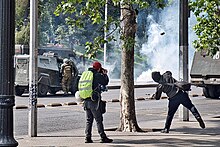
(163,49)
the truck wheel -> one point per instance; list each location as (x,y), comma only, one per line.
(42,90)
(74,86)
(18,91)
(52,91)
(206,92)
(73,89)
(213,92)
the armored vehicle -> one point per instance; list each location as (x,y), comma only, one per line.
(205,73)
(49,75)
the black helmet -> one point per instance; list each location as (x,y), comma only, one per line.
(156,76)
(169,73)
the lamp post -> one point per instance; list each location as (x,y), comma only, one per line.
(183,50)
(33,72)
(7,51)
(105,31)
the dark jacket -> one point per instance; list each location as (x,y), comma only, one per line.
(98,80)
(166,85)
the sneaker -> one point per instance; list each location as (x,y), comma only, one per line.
(106,140)
(88,140)
(165,130)
(201,123)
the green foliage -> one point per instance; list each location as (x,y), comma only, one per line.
(82,9)
(207,28)
(81,23)
(47,24)
(92,49)
(129,42)
(22,36)
(21,12)
(22,29)
(81,13)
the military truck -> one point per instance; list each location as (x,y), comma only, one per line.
(49,75)
(205,73)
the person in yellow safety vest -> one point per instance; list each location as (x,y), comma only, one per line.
(85,85)
(91,93)
(67,74)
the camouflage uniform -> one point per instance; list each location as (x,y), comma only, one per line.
(67,71)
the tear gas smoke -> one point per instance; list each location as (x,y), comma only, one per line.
(162,48)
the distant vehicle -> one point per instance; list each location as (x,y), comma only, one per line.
(205,73)
(21,49)
(49,75)
(61,52)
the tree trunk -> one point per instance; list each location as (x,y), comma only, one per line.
(128,120)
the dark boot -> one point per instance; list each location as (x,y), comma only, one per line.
(106,140)
(201,123)
(167,125)
(165,130)
(88,140)
(197,116)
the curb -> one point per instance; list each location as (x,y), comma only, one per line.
(114,100)
(54,105)
(194,95)
(21,107)
(140,99)
(70,103)
(40,106)
(75,103)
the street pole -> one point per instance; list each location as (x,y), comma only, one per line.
(7,51)
(105,31)
(183,50)
(33,72)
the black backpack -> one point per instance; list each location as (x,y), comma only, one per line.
(185,86)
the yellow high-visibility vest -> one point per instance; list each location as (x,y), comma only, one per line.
(85,84)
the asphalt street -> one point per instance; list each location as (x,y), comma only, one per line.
(53,117)
(64,125)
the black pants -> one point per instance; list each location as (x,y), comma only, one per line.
(174,102)
(92,112)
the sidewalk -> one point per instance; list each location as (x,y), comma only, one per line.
(181,134)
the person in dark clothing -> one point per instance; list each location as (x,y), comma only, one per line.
(91,105)
(175,97)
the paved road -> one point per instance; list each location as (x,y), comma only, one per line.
(62,117)
(64,125)
(68,117)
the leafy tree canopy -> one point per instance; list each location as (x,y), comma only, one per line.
(207,29)
(92,12)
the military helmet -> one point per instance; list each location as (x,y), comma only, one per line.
(65,60)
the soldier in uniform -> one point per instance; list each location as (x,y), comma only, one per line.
(67,74)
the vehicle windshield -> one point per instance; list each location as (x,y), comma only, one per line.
(22,61)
